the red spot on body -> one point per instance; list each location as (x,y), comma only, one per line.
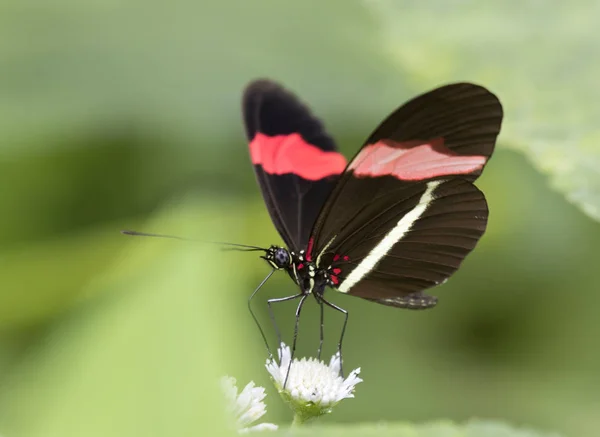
(285,154)
(334,279)
(413,160)
(300,266)
(336,271)
(336,257)
(346,258)
(309,248)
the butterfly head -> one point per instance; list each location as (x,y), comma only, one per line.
(278,257)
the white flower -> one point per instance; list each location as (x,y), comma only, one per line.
(247,407)
(312,388)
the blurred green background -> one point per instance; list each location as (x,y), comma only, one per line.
(125,114)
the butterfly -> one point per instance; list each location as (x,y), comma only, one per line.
(397,219)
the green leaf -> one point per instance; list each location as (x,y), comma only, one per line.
(67,268)
(139,356)
(540,59)
(436,429)
(63,267)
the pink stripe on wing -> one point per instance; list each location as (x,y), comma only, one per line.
(290,154)
(413,160)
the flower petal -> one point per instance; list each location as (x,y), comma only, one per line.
(247,407)
(311,384)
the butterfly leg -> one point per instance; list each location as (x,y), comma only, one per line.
(321,331)
(300,305)
(345,313)
(262,333)
(322,324)
(272,315)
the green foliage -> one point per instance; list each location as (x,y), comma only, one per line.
(167,373)
(178,79)
(436,429)
(540,58)
(109,109)
(176,66)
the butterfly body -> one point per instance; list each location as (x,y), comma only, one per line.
(307,274)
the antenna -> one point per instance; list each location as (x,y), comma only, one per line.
(233,246)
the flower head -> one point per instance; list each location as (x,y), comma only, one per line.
(312,388)
(247,407)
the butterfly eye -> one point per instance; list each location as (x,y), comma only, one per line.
(282,258)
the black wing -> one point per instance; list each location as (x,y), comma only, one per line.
(405,213)
(295,160)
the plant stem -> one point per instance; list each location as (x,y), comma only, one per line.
(299,420)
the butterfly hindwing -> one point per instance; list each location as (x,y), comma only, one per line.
(427,248)
(296,162)
(405,213)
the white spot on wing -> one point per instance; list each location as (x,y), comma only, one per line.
(392,237)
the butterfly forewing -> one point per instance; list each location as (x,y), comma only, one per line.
(296,162)
(462,117)
(405,214)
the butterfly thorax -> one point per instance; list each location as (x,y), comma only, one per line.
(309,277)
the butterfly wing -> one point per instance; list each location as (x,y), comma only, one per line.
(296,162)
(405,213)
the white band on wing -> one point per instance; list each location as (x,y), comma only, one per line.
(396,234)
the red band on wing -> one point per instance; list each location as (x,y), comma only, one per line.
(413,160)
(309,248)
(283,154)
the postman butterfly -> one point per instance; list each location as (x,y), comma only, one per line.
(394,221)
(397,219)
